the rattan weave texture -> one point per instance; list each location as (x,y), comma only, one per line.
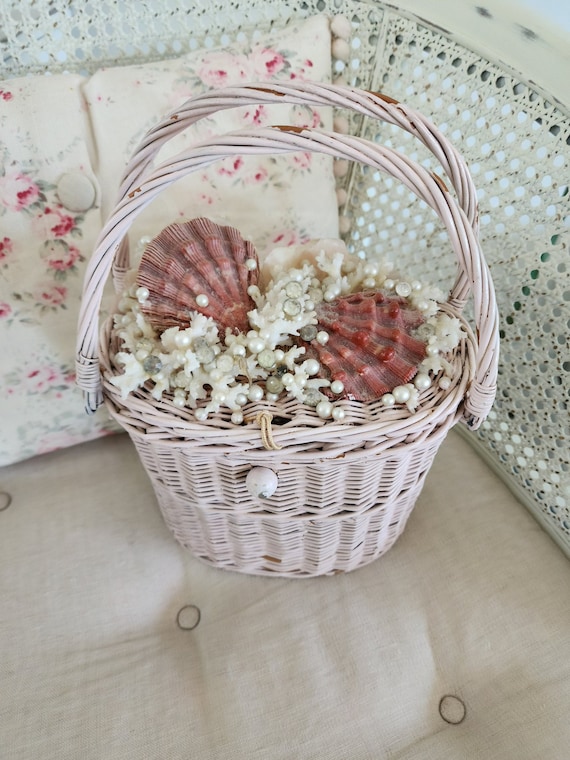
(345,489)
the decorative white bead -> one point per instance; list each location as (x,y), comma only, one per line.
(266,358)
(202,301)
(201,414)
(279,355)
(341,196)
(237,418)
(250,264)
(179,401)
(255,393)
(369,282)
(322,337)
(253,291)
(238,350)
(432,350)
(337,387)
(141,354)
(272,396)
(341,125)
(403,289)
(340,49)
(389,284)
(142,294)
(422,382)
(311,366)
(255,345)
(287,379)
(324,409)
(338,413)
(219,397)
(182,339)
(261,482)
(416,285)
(340,167)
(388,399)
(401,394)
(444,383)
(241,399)
(341,27)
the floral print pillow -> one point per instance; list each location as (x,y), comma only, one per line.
(65,125)
(270,199)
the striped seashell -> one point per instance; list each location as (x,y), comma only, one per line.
(198,266)
(370,349)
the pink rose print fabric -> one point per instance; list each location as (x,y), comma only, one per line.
(53,126)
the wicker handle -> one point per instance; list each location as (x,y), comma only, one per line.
(426,186)
(372,104)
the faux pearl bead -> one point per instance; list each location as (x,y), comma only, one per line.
(389,284)
(324,409)
(179,401)
(432,350)
(287,379)
(255,345)
(142,294)
(369,282)
(444,383)
(272,396)
(388,399)
(241,399)
(219,397)
(311,366)
(253,291)
(237,418)
(422,382)
(202,301)
(182,339)
(401,394)
(403,289)
(250,264)
(238,350)
(337,387)
(279,355)
(201,414)
(322,337)
(338,414)
(255,393)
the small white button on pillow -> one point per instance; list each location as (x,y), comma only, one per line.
(76,191)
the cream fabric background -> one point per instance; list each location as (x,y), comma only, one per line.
(473,601)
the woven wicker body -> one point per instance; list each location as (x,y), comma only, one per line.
(345,489)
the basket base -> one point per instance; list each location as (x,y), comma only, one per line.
(275,546)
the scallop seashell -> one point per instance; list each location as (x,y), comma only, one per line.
(370,347)
(198,266)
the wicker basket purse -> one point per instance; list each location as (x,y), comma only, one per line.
(345,488)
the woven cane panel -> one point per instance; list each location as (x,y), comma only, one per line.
(273,545)
(59,35)
(308,486)
(517,146)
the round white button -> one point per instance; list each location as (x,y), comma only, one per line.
(76,191)
(261,482)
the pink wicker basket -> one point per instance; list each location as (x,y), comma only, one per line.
(345,489)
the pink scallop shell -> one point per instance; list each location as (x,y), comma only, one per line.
(370,347)
(198,257)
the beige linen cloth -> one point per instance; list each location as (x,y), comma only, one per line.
(473,601)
